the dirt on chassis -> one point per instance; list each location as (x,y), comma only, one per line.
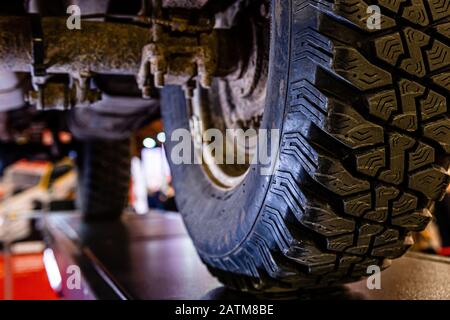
(357,91)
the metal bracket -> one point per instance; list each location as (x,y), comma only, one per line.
(179,52)
(168,49)
(63,94)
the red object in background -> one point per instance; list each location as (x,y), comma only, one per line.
(29,278)
(445,251)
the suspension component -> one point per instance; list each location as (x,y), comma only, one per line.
(178,55)
(63,93)
(100,47)
(157,51)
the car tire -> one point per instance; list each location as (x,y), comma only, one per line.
(103,178)
(363,153)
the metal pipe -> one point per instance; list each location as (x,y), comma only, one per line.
(99,47)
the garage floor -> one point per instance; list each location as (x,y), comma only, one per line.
(152,257)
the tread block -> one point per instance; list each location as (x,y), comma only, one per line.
(352,66)
(398,144)
(383,104)
(306,253)
(438,56)
(415,40)
(416,221)
(336,178)
(347,125)
(356,12)
(328,172)
(348,260)
(416,13)
(321,269)
(285,186)
(444,29)
(407,202)
(357,206)
(423,155)
(325,222)
(433,105)
(369,229)
(365,233)
(389,48)
(439,131)
(391,251)
(442,79)
(387,236)
(439,8)
(361,248)
(371,162)
(340,243)
(317,217)
(383,195)
(393,5)
(409,92)
(432,182)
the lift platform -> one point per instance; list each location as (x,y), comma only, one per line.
(152,257)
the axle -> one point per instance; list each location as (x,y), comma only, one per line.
(100,47)
(158,53)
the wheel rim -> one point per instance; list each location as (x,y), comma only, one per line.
(236,102)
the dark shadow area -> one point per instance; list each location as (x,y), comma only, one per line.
(333,293)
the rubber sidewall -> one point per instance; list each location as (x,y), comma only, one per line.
(220,220)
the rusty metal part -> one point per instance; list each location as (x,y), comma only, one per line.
(181,25)
(188,4)
(237,99)
(176,60)
(178,54)
(62,96)
(173,51)
(100,47)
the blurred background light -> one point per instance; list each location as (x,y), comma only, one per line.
(161,137)
(149,143)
